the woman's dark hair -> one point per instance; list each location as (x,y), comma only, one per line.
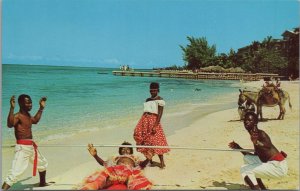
(21,99)
(154,85)
(125,143)
(255,117)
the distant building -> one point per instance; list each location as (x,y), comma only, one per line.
(290,42)
(288,35)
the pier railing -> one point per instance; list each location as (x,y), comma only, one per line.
(199,75)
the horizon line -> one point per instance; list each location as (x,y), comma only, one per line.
(70,66)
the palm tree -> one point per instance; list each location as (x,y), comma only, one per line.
(198,53)
(267,42)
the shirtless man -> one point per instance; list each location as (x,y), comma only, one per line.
(123,151)
(25,149)
(266,162)
(122,172)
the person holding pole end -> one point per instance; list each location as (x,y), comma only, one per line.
(266,162)
(25,149)
(149,131)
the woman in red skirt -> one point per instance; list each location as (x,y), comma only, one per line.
(149,131)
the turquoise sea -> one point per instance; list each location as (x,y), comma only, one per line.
(88,99)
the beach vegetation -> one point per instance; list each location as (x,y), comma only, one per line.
(198,53)
(220,69)
(279,56)
(264,57)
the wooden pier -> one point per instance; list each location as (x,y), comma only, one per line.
(199,75)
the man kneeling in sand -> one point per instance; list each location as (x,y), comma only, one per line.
(121,173)
(266,162)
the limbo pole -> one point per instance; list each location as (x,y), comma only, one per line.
(144,146)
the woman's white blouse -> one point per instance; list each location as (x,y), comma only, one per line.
(152,106)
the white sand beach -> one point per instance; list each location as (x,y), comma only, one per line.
(185,169)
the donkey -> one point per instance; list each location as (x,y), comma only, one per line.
(266,97)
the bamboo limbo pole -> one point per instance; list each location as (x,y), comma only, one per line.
(144,146)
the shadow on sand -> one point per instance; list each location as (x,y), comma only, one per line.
(260,120)
(20,186)
(230,186)
(235,120)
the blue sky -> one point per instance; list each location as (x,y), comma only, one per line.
(139,33)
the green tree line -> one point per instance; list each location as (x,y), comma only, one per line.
(268,56)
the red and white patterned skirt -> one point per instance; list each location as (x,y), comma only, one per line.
(143,135)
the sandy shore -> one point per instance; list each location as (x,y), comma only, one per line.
(186,169)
